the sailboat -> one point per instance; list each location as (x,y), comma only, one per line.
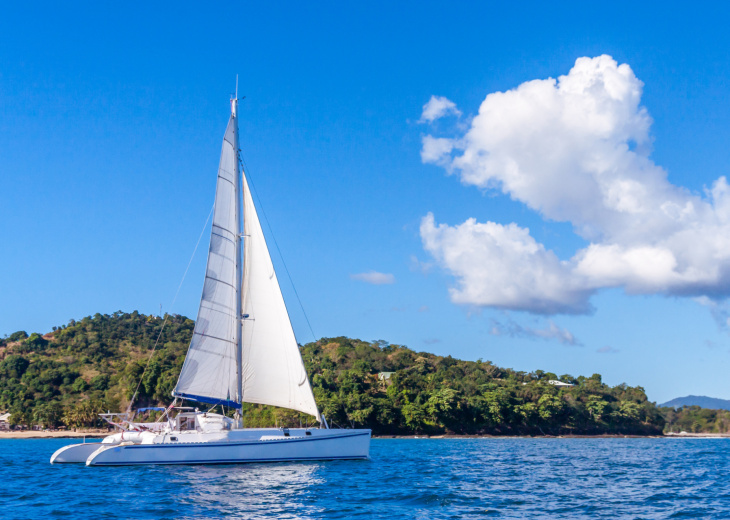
(243,350)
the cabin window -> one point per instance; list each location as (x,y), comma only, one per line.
(187,423)
(173,439)
(307,433)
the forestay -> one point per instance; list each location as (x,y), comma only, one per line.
(209,373)
(273,371)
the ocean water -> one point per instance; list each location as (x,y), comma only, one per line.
(405,478)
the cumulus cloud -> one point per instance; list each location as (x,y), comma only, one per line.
(550,332)
(436,108)
(374,278)
(502,266)
(576,150)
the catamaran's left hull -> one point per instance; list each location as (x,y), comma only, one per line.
(330,445)
(75,452)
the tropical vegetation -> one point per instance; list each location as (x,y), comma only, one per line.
(99,363)
(694,419)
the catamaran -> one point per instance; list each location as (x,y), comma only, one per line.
(243,350)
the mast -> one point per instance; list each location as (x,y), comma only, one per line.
(239,262)
(212,371)
(242,304)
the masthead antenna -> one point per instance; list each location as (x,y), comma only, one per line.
(234,100)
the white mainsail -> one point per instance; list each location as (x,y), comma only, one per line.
(271,367)
(209,373)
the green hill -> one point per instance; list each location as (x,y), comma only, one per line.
(95,364)
(696,419)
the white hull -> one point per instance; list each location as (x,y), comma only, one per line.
(239,446)
(78,453)
(75,452)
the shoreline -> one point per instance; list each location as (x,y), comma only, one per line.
(567,436)
(30,434)
(100,434)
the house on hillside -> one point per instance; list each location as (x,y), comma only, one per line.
(5,421)
(554,382)
(384,378)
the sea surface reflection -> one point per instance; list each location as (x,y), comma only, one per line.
(281,490)
(406,478)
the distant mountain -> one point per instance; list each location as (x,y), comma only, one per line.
(698,400)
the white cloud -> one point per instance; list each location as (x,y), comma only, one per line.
(436,150)
(436,108)
(502,266)
(576,150)
(550,332)
(607,349)
(374,278)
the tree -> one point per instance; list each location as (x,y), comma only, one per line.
(549,406)
(629,410)
(495,404)
(596,406)
(35,342)
(48,415)
(17,336)
(440,405)
(20,417)
(80,385)
(100,382)
(14,366)
(414,415)
(528,412)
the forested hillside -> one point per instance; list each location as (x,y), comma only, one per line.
(695,419)
(95,364)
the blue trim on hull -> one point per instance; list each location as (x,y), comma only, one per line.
(227,461)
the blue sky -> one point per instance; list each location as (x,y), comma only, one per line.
(111,120)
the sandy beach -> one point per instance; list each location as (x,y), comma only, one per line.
(29,434)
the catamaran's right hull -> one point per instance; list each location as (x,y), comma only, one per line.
(329,445)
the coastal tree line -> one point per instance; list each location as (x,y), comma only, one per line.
(68,376)
(693,419)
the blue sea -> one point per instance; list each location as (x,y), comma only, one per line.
(406,478)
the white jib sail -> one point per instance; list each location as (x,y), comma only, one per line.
(209,372)
(273,371)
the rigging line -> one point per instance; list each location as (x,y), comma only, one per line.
(268,224)
(149,359)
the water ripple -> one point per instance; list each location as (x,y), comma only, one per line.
(406,479)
